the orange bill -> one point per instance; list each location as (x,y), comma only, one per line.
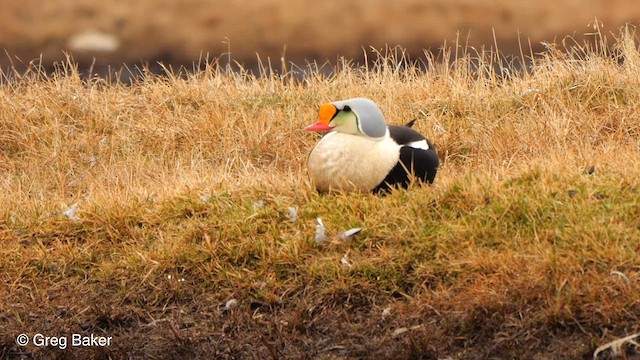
(325,115)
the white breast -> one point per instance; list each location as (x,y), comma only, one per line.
(346,162)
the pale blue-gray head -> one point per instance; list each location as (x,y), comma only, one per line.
(357,116)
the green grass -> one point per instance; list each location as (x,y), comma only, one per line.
(183,186)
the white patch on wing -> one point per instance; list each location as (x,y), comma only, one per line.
(422,144)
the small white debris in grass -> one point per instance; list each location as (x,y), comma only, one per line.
(92,161)
(169,277)
(622,275)
(347,235)
(320,233)
(70,212)
(345,261)
(230,304)
(402,330)
(617,346)
(399,331)
(292,215)
(437,127)
(258,204)
(386,312)
(205,198)
(529,92)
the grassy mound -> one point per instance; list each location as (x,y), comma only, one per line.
(157,213)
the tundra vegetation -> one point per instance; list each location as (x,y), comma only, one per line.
(174,214)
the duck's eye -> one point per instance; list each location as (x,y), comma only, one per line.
(346,108)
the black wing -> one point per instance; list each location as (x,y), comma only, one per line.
(413,162)
(403,135)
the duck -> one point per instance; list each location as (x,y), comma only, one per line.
(360,153)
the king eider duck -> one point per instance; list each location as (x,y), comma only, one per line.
(361,153)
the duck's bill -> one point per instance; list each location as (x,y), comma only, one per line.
(319,126)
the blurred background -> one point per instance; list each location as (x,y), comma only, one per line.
(134,32)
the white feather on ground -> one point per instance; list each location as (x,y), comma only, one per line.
(70,212)
(321,236)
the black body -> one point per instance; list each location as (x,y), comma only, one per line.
(414,162)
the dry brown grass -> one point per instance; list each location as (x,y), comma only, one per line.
(182,186)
